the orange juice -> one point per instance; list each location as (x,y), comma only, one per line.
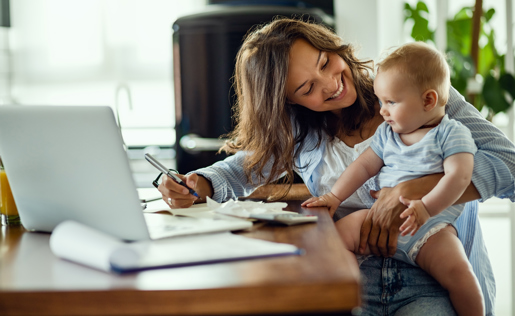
(7,206)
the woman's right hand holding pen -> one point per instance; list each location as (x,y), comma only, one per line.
(177,196)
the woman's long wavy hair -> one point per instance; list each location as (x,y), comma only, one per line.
(264,117)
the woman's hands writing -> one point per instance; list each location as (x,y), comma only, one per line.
(178,196)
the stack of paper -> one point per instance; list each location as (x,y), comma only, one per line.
(213,209)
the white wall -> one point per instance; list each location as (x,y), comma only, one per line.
(371,25)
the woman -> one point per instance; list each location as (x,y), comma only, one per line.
(306,104)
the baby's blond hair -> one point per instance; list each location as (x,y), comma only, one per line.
(423,65)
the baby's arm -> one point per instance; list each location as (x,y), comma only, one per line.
(458,173)
(363,168)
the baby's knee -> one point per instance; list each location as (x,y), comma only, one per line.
(349,235)
(350,241)
(458,273)
(461,268)
(349,229)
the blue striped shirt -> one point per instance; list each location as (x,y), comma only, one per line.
(493,175)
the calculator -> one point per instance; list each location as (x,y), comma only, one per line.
(285,219)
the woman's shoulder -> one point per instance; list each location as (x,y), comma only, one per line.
(458,108)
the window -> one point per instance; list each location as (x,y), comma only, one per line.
(100,52)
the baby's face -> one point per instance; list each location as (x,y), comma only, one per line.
(402,103)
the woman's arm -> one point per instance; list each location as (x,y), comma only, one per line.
(494,162)
(221,181)
(381,227)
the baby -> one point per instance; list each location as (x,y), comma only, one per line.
(416,139)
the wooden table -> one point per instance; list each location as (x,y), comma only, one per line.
(325,280)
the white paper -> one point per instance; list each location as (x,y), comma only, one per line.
(164,225)
(245,209)
(196,249)
(197,210)
(80,243)
(213,209)
(76,242)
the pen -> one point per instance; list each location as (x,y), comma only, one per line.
(165,170)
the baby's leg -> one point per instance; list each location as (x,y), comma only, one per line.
(349,229)
(444,258)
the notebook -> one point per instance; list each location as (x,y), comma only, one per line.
(68,163)
(82,244)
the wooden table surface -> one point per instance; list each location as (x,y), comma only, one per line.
(323,280)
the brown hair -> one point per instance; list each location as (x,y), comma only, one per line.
(423,65)
(265,121)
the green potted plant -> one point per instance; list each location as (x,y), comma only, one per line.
(496,87)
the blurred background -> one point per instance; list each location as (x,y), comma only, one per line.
(164,66)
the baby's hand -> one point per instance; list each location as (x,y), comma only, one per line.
(329,200)
(416,214)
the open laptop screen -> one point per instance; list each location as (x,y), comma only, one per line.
(68,162)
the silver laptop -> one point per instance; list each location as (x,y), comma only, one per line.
(68,163)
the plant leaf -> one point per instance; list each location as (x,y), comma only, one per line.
(489,14)
(421,6)
(464,13)
(420,31)
(487,56)
(459,35)
(408,12)
(493,95)
(507,82)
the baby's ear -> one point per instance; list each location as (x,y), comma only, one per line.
(430,98)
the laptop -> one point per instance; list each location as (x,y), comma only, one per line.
(69,163)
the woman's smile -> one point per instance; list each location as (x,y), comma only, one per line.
(338,94)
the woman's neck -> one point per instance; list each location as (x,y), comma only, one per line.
(369,128)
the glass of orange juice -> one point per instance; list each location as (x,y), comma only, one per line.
(8,209)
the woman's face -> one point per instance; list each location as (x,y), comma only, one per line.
(319,81)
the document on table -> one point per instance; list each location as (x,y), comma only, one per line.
(215,210)
(82,244)
(166,225)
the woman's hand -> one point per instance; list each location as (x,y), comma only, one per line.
(329,200)
(380,230)
(178,196)
(381,226)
